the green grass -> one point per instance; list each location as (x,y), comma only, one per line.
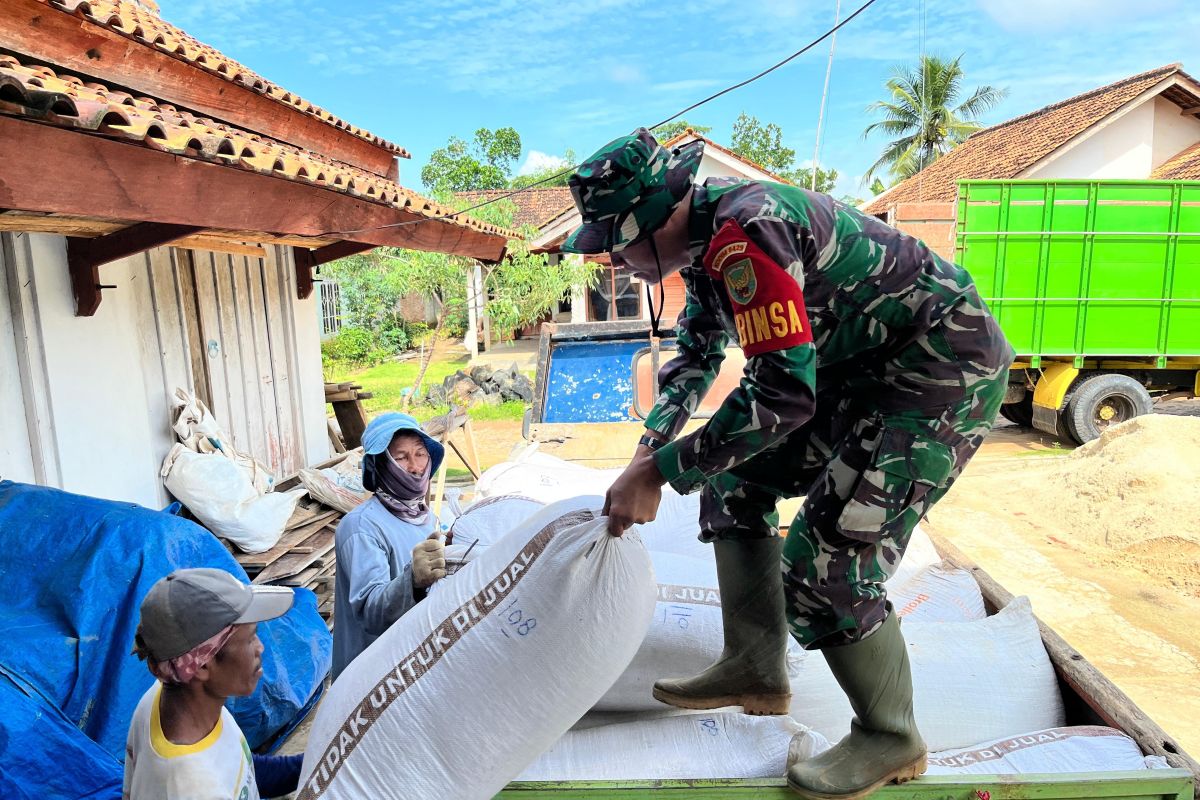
(386,381)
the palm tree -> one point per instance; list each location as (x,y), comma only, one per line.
(923,116)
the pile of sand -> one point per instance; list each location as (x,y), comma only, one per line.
(1131,497)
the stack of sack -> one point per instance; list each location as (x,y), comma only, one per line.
(985,693)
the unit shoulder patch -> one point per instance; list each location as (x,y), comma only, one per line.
(768,304)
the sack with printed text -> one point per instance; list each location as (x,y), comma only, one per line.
(476,681)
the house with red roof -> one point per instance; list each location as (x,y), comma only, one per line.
(164,212)
(619,297)
(1146,126)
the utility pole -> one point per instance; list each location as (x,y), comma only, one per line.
(837,15)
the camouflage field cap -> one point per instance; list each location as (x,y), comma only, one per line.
(628,189)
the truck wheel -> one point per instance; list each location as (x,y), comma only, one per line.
(1105,400)
(1021,412)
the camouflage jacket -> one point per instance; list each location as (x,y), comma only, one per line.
(802,282)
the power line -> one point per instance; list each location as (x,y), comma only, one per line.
(675,116)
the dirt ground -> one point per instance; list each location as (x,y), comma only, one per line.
(1134,614)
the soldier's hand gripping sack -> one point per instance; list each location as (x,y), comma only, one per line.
(471,685)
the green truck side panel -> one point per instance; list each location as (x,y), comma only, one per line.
(1164,784)
(1087,268)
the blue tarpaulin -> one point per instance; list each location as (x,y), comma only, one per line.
(75,570)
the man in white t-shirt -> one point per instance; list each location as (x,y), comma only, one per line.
(198,637)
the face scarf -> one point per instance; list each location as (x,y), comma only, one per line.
(401,492)
(181,669)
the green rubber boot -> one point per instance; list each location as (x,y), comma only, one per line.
(752,669)
(883,744)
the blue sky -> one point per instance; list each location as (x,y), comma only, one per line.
(577,74)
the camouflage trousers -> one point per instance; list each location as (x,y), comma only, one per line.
(869,470)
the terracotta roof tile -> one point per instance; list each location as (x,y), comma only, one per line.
(142,26)
(674,140)
(535,206)
(1183,166)
(1006,150)
(38,93)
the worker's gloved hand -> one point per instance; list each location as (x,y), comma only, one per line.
(634,496)
(428,562)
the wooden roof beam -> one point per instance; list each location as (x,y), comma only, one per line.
(92,51)
(86,256)
(93,176)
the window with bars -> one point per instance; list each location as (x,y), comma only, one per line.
(331,307)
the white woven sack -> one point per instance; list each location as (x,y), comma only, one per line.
(711,744)
(938,593)
(488,520)
(1085,748)
(470,686)
(919,554)
(685,636)
(972,682)
(220,494)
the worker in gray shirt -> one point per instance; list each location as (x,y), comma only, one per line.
(388,551)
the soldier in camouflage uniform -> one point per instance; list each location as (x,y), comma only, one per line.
(873,373)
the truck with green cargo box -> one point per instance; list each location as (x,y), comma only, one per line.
(1097,285)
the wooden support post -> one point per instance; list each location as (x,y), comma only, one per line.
(86,256)
(332,252)
(303,257)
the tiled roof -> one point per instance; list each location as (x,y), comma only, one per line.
(1183,166)
(535,206)
(691,134)
(1006,150)
(38,93)
(147,28)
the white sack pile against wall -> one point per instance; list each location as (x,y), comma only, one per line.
(709,744)
(473,684)
(1084,748)
(225,488)
(972,681)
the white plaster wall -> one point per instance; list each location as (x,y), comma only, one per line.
(724,166)
(1122,149)
(1173,132)
(16,459)
(110,438)
(313,413)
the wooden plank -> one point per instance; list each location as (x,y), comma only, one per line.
(278,304)
(173,351)
(221,246)
(264,370)
(53,223)
(149,185)
(211,337)
(292,481)
(1101,695)
(251,381)
(301,578)
(29,27)
(235,420)
(352,420)
(185,274)
(291,538)
(321,541)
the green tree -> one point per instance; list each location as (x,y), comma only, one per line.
(762,144)
(522,288)
(672,129)
(553,176)
(826,178)
(486,162)
(877,188)
(924,114)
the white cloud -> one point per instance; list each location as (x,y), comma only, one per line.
(537,161)
(626,73)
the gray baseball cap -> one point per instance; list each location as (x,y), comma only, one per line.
(190,606)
